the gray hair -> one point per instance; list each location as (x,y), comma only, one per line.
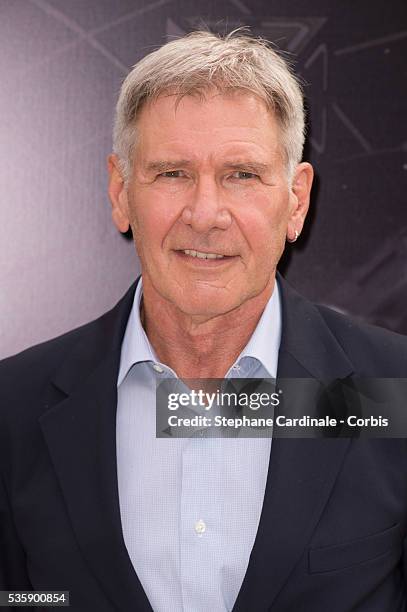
(200,60)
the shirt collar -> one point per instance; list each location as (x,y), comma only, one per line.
(263,344)
(135,346)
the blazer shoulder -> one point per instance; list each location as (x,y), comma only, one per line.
(24,382)
(25,377)
(39,362)
(373,350)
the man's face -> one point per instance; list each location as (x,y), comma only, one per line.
(208,201)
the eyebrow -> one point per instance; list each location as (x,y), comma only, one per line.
(167,164)
(159,166)
(254,167)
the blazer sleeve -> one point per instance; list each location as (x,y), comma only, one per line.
(13,567)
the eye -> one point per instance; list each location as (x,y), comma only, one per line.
(172,174)
(243,175)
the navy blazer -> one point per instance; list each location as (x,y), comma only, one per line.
(332,532)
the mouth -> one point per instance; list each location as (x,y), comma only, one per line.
(203,257)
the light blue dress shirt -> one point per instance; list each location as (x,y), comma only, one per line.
(190,507)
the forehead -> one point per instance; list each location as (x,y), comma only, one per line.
(211,124)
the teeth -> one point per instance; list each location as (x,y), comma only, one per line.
(201,255)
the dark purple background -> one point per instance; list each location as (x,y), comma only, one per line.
(61,65)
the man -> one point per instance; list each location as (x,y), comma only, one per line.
(207,173)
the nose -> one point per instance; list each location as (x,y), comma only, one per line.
(206,209)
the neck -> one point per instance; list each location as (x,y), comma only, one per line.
(199,347)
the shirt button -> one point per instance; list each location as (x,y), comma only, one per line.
(236,367)
(200,527)
(158,368)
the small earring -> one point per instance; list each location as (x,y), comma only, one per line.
(294,239)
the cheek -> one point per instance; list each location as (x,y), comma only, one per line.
(264,226)
(151,220)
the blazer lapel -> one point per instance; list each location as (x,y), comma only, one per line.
(301,472)
(80,433)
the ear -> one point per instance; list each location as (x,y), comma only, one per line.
(299,200)
(118,195)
